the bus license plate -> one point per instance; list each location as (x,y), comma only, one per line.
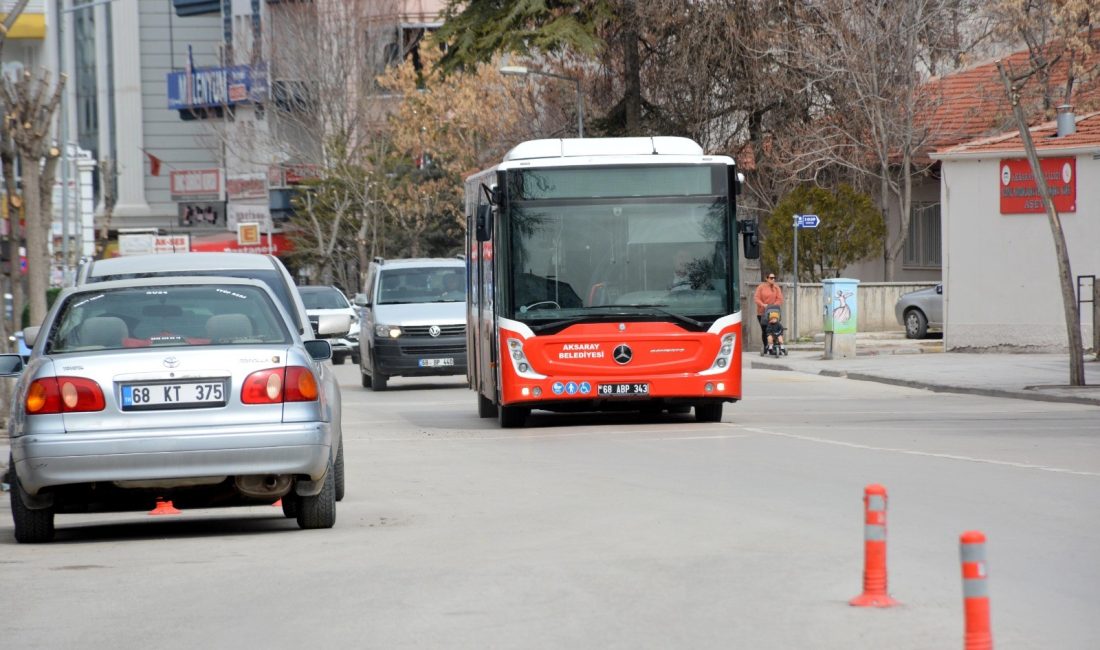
(166,396)
(435,363)
(620,390)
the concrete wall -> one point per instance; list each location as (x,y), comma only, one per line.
(1001,287)
(876,307)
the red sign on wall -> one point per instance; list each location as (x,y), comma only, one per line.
(1019,194)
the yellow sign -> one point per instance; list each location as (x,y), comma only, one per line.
(27,26)
(248,234)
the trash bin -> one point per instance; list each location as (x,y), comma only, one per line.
(841,313)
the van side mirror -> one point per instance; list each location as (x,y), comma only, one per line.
(30,335)
(749,238)
(484,222)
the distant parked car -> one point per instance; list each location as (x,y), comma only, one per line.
(919,310)
(190,389)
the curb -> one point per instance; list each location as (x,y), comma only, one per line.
(936,388)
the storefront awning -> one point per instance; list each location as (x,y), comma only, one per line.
(30,26)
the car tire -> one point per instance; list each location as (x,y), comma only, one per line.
(339,359)
(364,378)
(916,324)
(290,505)
(377,379)
(513,417)
(355,358)
(319,510)
(485,407)
(338,467)
(708,412)
(31,526)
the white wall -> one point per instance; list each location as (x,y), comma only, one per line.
(1000,271)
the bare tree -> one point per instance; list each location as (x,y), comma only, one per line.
(1054,39)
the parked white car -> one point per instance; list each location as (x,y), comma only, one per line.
(329,301)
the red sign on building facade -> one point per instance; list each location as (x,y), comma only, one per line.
(1019,194)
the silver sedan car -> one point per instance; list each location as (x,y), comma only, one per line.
(920,310)
(195,391)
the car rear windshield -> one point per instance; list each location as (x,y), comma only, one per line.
(323,298)
(270,277)
(166,316)
(420,285)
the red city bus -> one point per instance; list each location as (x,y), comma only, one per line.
(602,275)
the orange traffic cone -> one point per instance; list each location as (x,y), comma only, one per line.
(164,508)
(874,551)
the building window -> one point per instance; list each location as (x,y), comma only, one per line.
(922,246)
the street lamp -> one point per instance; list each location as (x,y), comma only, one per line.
(523,71)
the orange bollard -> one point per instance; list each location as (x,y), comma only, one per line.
(164,508)
(979,635)
(874,550)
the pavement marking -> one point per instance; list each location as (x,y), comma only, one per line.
(913,452)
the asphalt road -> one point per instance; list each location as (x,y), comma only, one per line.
(608,531)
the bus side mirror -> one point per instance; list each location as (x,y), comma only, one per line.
(484,222)
(749,238)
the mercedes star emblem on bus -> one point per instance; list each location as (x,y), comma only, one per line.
(622,354)
(434,330)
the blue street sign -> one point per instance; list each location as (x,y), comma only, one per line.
(808,221)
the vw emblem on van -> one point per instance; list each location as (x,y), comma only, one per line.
(434,331)
(170,362)
(622,354)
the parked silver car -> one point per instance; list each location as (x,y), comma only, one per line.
(193,390)
(920,310)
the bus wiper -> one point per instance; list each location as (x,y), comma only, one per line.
(678,317)
(565,322)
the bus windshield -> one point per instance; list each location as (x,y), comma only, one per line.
(655,255)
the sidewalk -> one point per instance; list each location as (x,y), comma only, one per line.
(889,358)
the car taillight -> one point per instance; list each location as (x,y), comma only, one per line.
(63,395)
(275,385)
(301,386)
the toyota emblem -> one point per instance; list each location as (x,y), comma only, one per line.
(622,354)
(170,362)
(434,330)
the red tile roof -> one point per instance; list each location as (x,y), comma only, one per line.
(972,103)
(1044,135)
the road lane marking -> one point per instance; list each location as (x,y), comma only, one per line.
(914,452)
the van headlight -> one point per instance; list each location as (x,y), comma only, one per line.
(387,331)
(724,357)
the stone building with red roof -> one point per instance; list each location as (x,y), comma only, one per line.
(1000,272)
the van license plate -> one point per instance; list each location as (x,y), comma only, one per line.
(435,363)
(622,390)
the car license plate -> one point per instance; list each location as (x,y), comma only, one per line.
(435,363)
(178,395)
(622,390)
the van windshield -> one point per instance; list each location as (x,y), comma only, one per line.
(270,277)
(421,285)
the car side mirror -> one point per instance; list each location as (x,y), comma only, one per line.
(484,222)
(319,349)
(30,335)
(360,300)
(939,288)
(11,365)
(749,238)
(333,324)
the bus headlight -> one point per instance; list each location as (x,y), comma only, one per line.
(519,360)
(724,357)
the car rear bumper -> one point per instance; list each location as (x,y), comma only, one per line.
(47,460)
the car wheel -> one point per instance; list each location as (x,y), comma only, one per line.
(513,417)
(916,325)
(339,469)
(377,379)
(290,505)
(319,510)
(485,407)
(364,378)
(31,526)
(708,412)
(355,358)
(339,359)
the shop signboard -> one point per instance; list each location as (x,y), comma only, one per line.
(1020,195)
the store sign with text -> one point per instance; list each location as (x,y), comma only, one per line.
(245,213)
(197,185)
(1020,194)
(250,186)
